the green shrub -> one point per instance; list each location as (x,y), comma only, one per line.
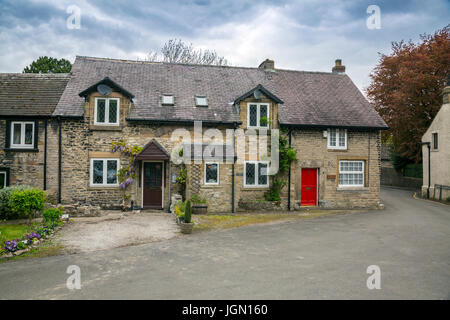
(51,215)
(275,190)
(25,203)
(188,212)
(196,199)
(448,199)
(5,209)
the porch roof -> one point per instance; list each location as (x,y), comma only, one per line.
(153,151)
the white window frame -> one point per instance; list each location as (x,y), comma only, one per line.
(165,103)
(218,174)
(6,177)
(258,114)
(197,101)
(107,123)
(256,185)
(351,172)
(105,173)
(22,144)
(339,132)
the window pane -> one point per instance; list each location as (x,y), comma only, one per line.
(253,115)
(263,120)
(201,101)
(435,140)
(2,180)
(28,133)
(262,173)
(17,133)
(342,138)
(211,173)
(98,172)
(101,110)
(250,173)
(111,167)
(332,137)
(112,111)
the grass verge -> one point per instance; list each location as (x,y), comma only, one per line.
(213,222)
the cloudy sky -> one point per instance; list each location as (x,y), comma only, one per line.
(301,35)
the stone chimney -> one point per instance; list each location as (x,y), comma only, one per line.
(267,65)
(446,91)
(338,68)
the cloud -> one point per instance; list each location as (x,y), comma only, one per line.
(301,35)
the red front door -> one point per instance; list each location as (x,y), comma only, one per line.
(309,187)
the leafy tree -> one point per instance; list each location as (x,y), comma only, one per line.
(406,90)
(48,65)
(177,51)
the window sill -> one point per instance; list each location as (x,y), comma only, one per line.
(21,150)
(256,188)
(103,187)
(337,149)
(97,127)
(357,189)
(211,186)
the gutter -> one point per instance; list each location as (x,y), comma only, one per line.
(323,126)
(184,122)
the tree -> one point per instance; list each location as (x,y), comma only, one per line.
(49,65)
(177,51)
(406,90)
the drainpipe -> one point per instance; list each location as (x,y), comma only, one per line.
(59,159)
(289,177)
(45,154)
(428,144)
(169,182)
(232,171)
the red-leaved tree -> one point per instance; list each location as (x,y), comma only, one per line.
(406,89)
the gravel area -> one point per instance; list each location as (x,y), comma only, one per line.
(116,230)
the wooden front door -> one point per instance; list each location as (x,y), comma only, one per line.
(309,187)
(153,184)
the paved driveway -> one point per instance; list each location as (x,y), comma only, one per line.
(319,258)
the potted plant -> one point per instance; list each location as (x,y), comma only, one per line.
(187,225)
(199,205)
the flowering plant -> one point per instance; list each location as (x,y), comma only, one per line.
(11,246)
(126,175)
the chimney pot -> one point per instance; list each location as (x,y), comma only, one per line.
(268,65)
(338,67)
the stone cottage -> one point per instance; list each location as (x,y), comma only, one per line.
(212,117)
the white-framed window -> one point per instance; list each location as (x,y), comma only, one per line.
(104,172)
(201,101)
(211,173)
(22,134)
(3,180)
(435,140)
(337,138)
(257,115)
(255,174)
(351,173)
(167,100)
(107,111)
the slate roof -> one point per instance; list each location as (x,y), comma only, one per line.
(30,94)
(310,98)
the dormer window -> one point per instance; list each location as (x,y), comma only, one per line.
(257,115)
(201,101)
(107,111)
(167,100)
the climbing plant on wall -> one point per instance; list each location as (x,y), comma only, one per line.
(126,175)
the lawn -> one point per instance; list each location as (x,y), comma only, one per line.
(212,221)
(13,231)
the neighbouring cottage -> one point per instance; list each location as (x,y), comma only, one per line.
(67,149)
(436,152)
